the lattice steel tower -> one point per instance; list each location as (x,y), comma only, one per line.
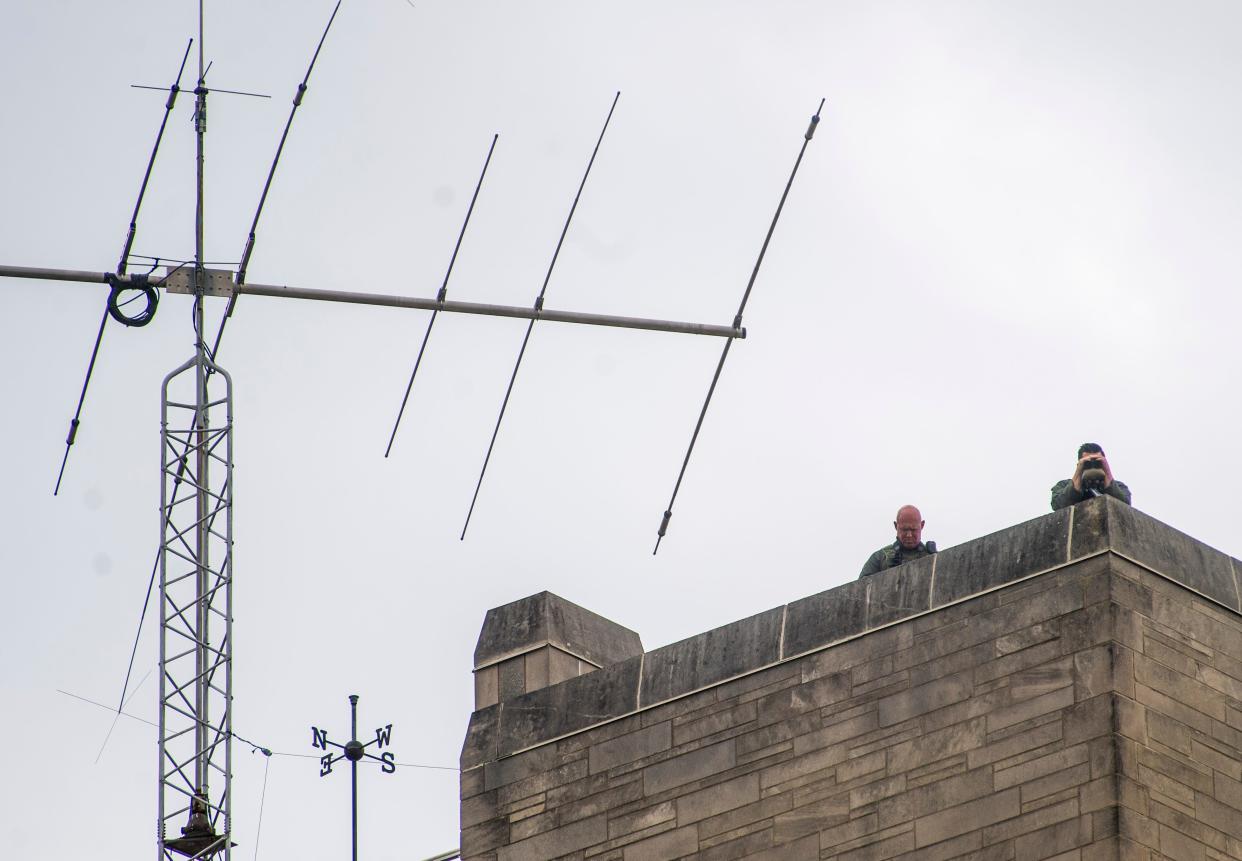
(196,611)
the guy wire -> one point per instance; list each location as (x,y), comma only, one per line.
(258,829)
(538,307)
(117,716)
(442,294)
(264,750)
(737,324)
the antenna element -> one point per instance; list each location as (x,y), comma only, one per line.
(441,295)
(737,324)
(538,308)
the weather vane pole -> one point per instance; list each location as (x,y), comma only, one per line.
(354,750)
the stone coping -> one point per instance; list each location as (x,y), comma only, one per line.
(546,619)
(811,624)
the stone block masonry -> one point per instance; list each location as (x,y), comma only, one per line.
(540,641)
(1070,688)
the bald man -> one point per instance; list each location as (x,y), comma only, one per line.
(908,546)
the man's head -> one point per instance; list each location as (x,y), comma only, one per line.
(1090,448)
(909,526)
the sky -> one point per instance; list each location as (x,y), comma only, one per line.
(1014,231)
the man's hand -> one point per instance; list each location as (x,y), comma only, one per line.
(1092,460)
(1108,473)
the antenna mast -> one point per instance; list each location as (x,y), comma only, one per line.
(196,596)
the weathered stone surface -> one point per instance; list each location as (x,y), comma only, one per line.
(486,687)
(689,767)
(481,737)
(923,800)
(650,819)
(826,618)
(561,666)
(663,847)
(1090,713)
(970,816)
(1172,553)
(535,669)
(545,619)
(479,839)
(572,705)
(938,745)
(925,698)
(1089,526)
(900,592)
(627,748)
(505,771)
(714,656)
(512,677)
(718,798)
(806,849)
(552,844)
(1001,557)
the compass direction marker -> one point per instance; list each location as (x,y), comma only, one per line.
(354,751)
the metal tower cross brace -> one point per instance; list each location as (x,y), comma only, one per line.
(196,610)
(354,750)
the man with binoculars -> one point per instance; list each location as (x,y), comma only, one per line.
(1092,477)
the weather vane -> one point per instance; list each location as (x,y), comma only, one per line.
(354,750)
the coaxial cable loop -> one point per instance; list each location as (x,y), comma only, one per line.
(140,284)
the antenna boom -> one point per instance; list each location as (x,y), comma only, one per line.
(210,287)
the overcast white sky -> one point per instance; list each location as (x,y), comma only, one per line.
(1015,230)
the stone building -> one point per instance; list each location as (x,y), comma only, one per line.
(1069,688)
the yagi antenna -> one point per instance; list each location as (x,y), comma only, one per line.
(241,277)
(111,307)
(440,297)
(538,307)
(195,559)
(737,324)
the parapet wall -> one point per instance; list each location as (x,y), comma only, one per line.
(1071,686)
(540,641)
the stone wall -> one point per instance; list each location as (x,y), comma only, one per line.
(543,640)
(1178,678)
(1044,692)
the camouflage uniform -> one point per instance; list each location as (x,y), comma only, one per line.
(891,556)
(1064,495)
